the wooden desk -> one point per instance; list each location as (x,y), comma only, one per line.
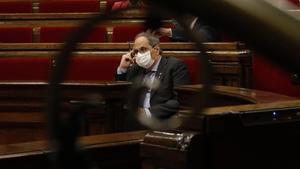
(22,105)
(228,96)
(242,128)
(110,151)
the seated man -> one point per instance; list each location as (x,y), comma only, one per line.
(146,57)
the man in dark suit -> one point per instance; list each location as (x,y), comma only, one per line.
(198,27)
(145,60)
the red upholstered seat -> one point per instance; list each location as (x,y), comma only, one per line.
(69,6)
(25,68)
(109,4)
(164,39)
(104,68)
(93,68)
(296,2)
(15,6)
(270,77)
(127,33)
(59,34)
(193,65)
(15,35)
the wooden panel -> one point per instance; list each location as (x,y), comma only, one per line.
(23,104)
(21,110)
(129,14)
(111,151)
(235,64)
(176,46)
(227,96)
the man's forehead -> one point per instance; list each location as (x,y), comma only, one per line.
(141,42)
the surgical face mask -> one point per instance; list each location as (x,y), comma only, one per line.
(144,59)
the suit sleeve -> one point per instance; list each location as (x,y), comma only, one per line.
(201,29)
(171,106)
(180,74)
(178,33)
(165,110)
(120,77)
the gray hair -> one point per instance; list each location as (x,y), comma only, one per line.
(153,40)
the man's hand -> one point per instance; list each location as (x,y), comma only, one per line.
(126,60)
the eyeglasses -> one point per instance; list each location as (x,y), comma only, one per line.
(141,50)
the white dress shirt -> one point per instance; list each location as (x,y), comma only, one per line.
(150,78)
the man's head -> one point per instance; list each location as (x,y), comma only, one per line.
(146,49)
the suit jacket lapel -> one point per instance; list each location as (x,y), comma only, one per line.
(160,72)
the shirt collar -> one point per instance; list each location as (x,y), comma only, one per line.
(155,67)
(193,23)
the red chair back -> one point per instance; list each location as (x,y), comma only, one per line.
(270,77)
(69,6)
(59,34)
(25,68)
(15,35)
(127,33)
(93,68)
(16,6)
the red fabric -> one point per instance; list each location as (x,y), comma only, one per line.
(193,65)
(15,6)
(120,5)
(164,39)
(270,77)
(69,6)
(15,35)
(93,68)
(127,33)
(59,34)
(296,2)
(25,68)
(109,4)
(104,68)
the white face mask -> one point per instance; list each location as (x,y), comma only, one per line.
(144,59)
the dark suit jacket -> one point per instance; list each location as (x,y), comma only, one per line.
(207,32)
(171,72)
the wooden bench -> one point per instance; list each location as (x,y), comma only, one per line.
(23,106)
(28,6)
(230,71)
(231,62)
(121,150)
(41,23)
(123,46)
(110,151)
(234,136)
(55,6)
(227,95)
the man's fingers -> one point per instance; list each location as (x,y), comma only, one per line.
(127,58)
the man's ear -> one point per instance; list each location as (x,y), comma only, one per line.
(157,48)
